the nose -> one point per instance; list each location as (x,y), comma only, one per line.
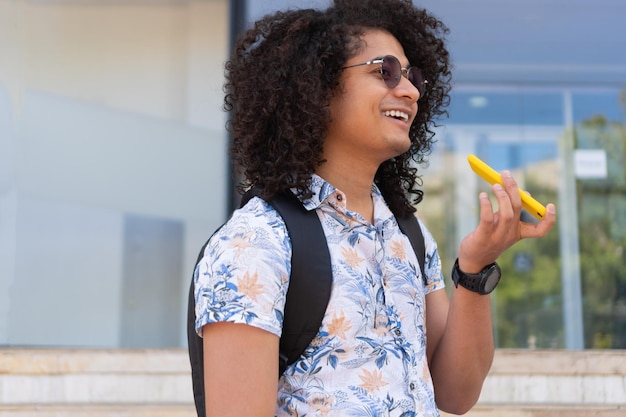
(406,88)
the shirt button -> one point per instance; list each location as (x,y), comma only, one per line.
(339,198)
(412,386)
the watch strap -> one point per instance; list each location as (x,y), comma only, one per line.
(472,282)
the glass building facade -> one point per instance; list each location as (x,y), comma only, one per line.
(114,165)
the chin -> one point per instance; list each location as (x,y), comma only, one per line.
(403,147)
(396,147)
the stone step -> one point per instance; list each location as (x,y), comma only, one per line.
(80,377)
(157,383)
(543,411)
(127,410)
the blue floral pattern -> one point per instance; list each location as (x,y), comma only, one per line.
(369,358)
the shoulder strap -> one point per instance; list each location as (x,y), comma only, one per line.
(194,344)
(311,278)
(411,228)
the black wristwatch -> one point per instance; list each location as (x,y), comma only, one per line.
(483,283)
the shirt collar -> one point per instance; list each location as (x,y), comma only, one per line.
(322,190)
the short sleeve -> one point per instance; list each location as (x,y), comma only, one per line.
(244,273)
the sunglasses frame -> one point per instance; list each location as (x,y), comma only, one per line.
(394,80)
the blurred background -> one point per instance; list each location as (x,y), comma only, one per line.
(114,167)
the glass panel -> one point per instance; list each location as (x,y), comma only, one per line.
(510,107)
(600,141)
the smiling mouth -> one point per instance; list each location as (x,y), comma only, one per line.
(396,114)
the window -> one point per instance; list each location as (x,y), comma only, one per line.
(527,130)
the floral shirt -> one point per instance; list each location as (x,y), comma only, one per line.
(369,358)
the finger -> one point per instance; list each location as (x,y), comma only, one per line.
(483,231)
(530,230)
(512,189)
(486,214)
(505,216)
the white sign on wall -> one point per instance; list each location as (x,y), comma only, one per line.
(590,163)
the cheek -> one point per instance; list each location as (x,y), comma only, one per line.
(342,115)
(340,104)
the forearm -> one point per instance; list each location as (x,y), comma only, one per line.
(464,354)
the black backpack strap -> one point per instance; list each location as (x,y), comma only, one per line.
(411,228)
(194,345)
(311,278)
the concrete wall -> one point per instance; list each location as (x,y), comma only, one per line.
(81,169)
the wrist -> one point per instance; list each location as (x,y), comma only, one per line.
(470,266)
(483,282)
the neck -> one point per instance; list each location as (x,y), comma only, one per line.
(355,182)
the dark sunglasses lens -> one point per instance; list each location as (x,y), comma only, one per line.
(417,79)
(391,71)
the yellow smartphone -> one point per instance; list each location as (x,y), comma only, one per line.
(490,175)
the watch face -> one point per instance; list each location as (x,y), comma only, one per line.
(491,279)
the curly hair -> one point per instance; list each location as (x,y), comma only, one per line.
(284,72)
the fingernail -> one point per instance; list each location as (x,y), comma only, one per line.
(551,208)
(497,187)
(506,174)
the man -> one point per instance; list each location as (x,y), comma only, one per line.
(338,106)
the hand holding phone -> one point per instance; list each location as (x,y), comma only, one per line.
(487,173)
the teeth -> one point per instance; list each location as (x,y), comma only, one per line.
(397,114)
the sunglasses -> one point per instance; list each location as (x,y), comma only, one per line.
(391,70)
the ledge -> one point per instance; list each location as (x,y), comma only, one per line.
(89,361)
(559,362)
(62,382)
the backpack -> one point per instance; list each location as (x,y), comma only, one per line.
(309,285)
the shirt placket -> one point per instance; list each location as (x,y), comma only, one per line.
(396,329)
